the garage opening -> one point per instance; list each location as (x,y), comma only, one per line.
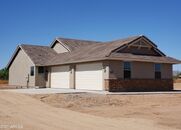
(89,76)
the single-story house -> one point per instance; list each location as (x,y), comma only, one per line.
(130,64)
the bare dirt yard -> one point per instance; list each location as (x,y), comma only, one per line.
(3,81)
(162,109)
(177,86)
(90,111)
(4,85)
(20,111)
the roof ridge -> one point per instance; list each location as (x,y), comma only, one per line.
(64,38)
(33,45)
(126,38)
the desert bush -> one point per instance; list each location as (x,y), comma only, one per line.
(4,74)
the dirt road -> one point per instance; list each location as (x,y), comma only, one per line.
(18,110)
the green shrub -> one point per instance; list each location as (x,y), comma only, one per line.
(4,74)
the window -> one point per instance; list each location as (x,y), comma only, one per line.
(157,71)
(32,70)
(127,70)
(40,70)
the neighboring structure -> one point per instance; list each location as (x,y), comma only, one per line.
(131,64)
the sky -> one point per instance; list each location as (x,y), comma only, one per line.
(41,21)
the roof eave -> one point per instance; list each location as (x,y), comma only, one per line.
(132,59)
(143,36)
(80,61)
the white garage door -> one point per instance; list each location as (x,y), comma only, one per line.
(89,76)
(60,77)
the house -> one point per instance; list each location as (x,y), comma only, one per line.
(130,64)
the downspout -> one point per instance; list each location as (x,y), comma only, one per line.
(27,81)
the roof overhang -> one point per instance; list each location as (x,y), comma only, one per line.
(173,61)
(144,58)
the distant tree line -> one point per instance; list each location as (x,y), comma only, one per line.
(4,74)
(176,76)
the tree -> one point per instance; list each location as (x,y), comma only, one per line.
(4,74)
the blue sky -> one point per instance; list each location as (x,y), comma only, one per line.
(40,21)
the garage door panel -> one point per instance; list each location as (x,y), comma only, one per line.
(89,76)
(60,77)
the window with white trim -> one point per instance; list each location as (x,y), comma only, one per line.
(127,70)
(157,71)
(32,71)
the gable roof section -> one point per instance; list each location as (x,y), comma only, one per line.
(14,56)
(86,51)
(37,54)
(91,52)
(106,51)
(72,44)
(136,39)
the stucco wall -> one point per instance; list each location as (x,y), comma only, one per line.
(142,70)
(19,70)
(167,71)
(116,70)
(105,69)
(139,70)
(49,77)
(59,48)
(72,76)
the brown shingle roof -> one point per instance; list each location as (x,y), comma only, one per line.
(143,58)
(89,52)
(39,54)
(85,51)
(73,44)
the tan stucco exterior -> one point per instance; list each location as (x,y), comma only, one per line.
(59,48)
(167,72)
(115,70)
(139,70)
(105,69)
(49,77)
(142,70)
(20,69)
(72,76)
